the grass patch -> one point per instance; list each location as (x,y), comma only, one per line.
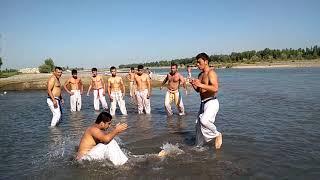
(8,74)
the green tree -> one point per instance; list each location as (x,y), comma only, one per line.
(47,67)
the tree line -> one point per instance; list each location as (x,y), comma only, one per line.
(248,57)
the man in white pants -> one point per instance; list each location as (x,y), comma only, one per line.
(99,90)
(143,91)
(96,144)
(207,85)
(174,80)
(76,87)
(130,77)
(116,92)
(54,99)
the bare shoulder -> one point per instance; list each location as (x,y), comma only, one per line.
(51,79)
(212,73)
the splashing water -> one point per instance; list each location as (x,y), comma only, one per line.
(171,149)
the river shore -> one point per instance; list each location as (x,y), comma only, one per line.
(38,81)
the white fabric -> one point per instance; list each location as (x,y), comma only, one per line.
(110,151)
(143,101)
(117,98)
(205,128)
(98,95)
(177,99)
(75,101)
(131,88)
(56,112)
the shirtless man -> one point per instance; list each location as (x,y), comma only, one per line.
(174,80)
(130,77)
(54,99)
(116,92)
(99,90)
(75,92)
(143,91)
(96,144)
(207,85)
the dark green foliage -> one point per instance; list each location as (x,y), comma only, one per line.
(248,57)
(47,67)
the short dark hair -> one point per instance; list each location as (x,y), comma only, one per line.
(132,68)
(174,64)
(94,69)
(74,71)
(103,117)
(203,56)
(112,67)
(57,67)
(140,66)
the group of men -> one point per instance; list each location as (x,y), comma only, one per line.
(140,90)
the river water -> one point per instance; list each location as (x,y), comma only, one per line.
(270,119)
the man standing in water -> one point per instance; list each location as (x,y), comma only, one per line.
(130,77)
(207,85)
(96,144)
(116,92)
(143,91)
(99,90)
(54,99)
(75,92)
(174,80)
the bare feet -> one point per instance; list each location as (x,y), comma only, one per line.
(162,153)
(218,142)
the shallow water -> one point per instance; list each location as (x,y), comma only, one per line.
(269,118)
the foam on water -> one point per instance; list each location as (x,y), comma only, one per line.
(171,149)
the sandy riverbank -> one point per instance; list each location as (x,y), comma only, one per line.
(39,81)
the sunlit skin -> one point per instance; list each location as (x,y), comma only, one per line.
(142,81)
(115,84)
(207,85)
(96,83)
(54,87)
(174,79)
(75,84)
(96,134)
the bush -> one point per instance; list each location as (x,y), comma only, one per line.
(44,68)
(47,67)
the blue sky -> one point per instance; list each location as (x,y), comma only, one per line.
(83,33)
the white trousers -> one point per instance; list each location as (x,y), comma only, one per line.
(98,95)
(131,88)
(75,101)
(177,98)
(205,128)
(143,101)
(56,112)
(117,98)
(110,151)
